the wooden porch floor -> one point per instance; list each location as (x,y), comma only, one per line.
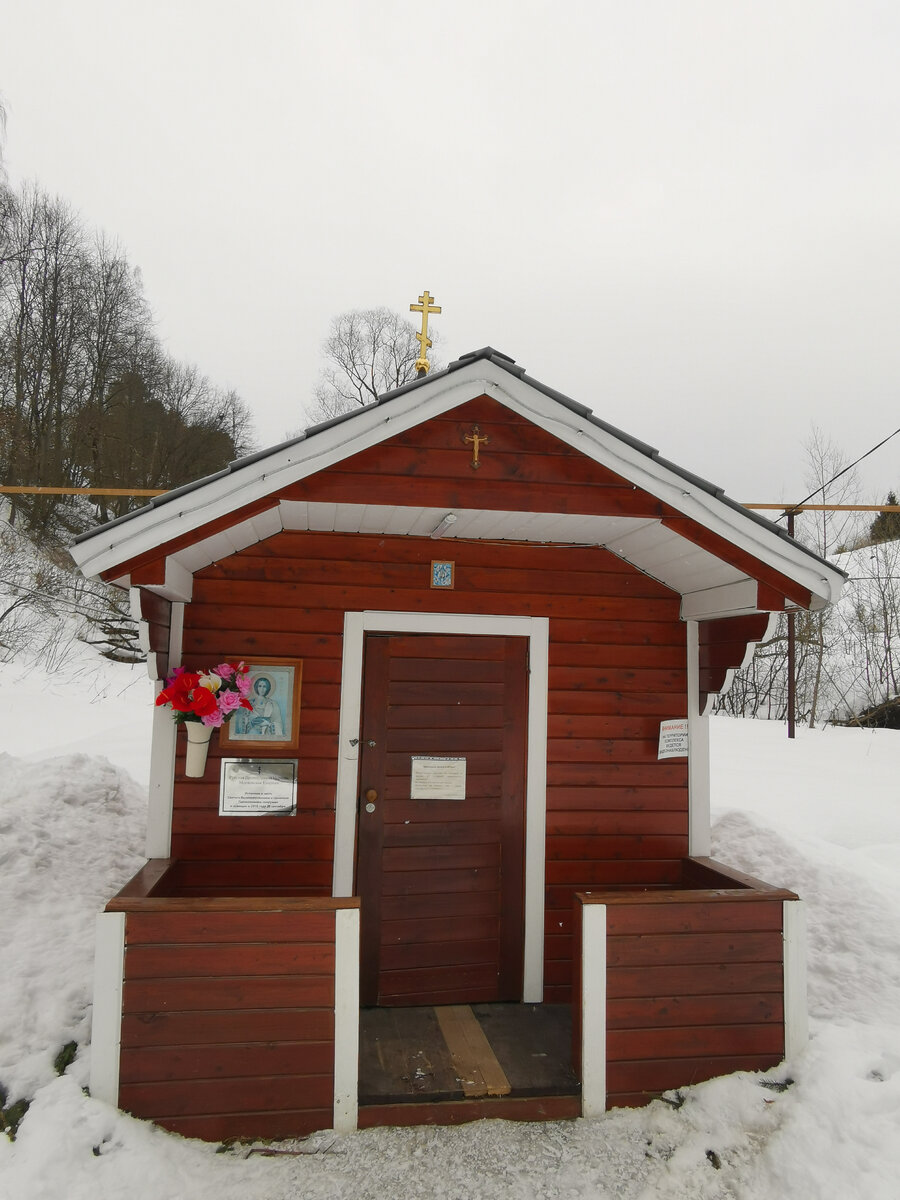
(487,1055)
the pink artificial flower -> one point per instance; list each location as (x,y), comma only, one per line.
(214,718)
(228,701)
(224,670)
(244,684)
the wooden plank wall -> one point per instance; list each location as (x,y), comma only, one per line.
(228,1022)
(616,816)
(694,990)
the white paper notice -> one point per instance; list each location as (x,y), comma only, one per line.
(437,778)
(673,739)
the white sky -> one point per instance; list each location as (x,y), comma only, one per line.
(683,214)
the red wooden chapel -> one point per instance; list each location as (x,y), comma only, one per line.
(481,601)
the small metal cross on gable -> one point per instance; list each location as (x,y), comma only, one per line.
(476,438)
(425,306)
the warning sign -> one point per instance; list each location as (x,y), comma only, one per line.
(673,739)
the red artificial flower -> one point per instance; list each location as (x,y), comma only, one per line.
(180,701)
(203,702)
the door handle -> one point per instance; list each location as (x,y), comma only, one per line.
(371,797)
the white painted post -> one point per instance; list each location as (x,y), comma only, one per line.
(796,1016)
(162,755)
(348,755)
(593,1010)
(536,809)
(346,1019)
(699,841)
(106,1031)
(162,782)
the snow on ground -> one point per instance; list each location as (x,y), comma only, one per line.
(819,815)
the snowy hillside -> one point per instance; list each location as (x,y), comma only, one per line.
(819,815)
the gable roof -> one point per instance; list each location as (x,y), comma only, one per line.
(647,544)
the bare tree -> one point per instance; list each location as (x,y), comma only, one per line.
(88,397)
(41,326)
(822,669)
(368,352)
(828,533)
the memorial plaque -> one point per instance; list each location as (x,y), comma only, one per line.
(258,787)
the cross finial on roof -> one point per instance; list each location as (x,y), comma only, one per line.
(425,307)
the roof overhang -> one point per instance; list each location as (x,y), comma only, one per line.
(710,586)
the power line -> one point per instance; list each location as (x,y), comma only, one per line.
(789,508)
(795,508)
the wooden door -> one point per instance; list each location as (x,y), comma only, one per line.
(441,880)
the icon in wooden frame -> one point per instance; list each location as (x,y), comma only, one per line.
(273,722)
(443,573)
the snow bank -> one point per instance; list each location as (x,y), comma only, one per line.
(71,830)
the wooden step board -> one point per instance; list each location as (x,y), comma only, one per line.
(478,1054)
(475,1063)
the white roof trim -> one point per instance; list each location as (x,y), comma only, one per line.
(266,475)
(710,587)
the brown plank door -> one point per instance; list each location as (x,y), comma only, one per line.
(441,880)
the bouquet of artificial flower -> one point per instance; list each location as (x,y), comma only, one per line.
(210,697)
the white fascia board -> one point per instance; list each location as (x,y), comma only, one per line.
(267,523)
(179,585)
(729,600)
(370,426)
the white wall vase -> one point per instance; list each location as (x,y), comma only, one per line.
(198,736)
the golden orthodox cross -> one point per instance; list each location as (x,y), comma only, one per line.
(425,307)
(477,440)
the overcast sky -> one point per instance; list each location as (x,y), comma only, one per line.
(682,213)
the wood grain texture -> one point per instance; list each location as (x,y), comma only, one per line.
(228,1013)
(693,987)
(723,645)
(425,851)
(246,1126)
(214,1027)
(242,1094)
(652,1077)
(475,1062)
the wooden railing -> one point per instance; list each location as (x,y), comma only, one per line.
(681,985)
(238,1015)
